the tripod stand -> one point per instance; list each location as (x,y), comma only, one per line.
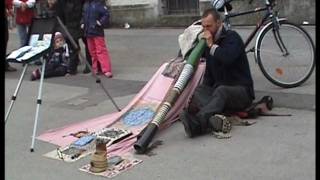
(75,46)
(49,28)
(39,101)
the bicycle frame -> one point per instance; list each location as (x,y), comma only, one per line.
(267,16)
(271,24)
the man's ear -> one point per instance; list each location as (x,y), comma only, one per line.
(219,22)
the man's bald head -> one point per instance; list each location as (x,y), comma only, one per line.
(213,12)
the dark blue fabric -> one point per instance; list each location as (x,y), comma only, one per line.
(94,10)
(58,57)
(229,65)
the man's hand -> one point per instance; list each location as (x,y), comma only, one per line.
(82,26)
(209,38)
(98,22)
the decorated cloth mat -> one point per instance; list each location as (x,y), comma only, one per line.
(153,91)
(132,118)
(126,162)
(144,104)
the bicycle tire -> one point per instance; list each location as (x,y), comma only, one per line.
(274,71)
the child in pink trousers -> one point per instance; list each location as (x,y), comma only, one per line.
(95,17)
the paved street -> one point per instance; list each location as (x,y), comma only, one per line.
(273,148)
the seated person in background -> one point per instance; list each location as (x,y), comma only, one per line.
(57,61)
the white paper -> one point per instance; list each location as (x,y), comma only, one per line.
(33,39)
(35,47)
(16,53)
(47,38)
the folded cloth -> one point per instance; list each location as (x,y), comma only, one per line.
(189,37)
(174,68)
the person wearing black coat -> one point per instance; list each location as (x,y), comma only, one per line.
(227,84)
(70,13)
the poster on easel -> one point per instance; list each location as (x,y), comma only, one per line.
(38,42)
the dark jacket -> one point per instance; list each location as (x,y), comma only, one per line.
(48,12)
(70,11)
(94,10)
(229,64)
(59,57)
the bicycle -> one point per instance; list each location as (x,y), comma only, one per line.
(284,62)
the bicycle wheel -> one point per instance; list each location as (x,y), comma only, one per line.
(286,58)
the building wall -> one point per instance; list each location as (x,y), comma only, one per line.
(146,13)
(138,13)
(131,2)
(151,13)
(296,11)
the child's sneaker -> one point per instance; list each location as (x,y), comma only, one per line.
(108,74)
(35,75)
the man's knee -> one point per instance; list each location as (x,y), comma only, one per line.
(221,91)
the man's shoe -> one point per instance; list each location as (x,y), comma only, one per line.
(186,125)
(220,123)
(10,69)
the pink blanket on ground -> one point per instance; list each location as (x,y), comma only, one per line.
(151,94)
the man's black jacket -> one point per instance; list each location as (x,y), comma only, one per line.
(229,64)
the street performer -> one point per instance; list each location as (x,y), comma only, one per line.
(227,85)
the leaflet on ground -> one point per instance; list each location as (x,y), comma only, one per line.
(34,47)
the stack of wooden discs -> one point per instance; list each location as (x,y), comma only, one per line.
(99,161)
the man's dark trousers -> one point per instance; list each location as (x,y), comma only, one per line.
(207,101)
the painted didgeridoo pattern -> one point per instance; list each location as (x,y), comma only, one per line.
(145,137)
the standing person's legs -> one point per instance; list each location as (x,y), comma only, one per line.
(103,55)
(7,66)
(88,57)
(92,50)
(22,32)
(6,35)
